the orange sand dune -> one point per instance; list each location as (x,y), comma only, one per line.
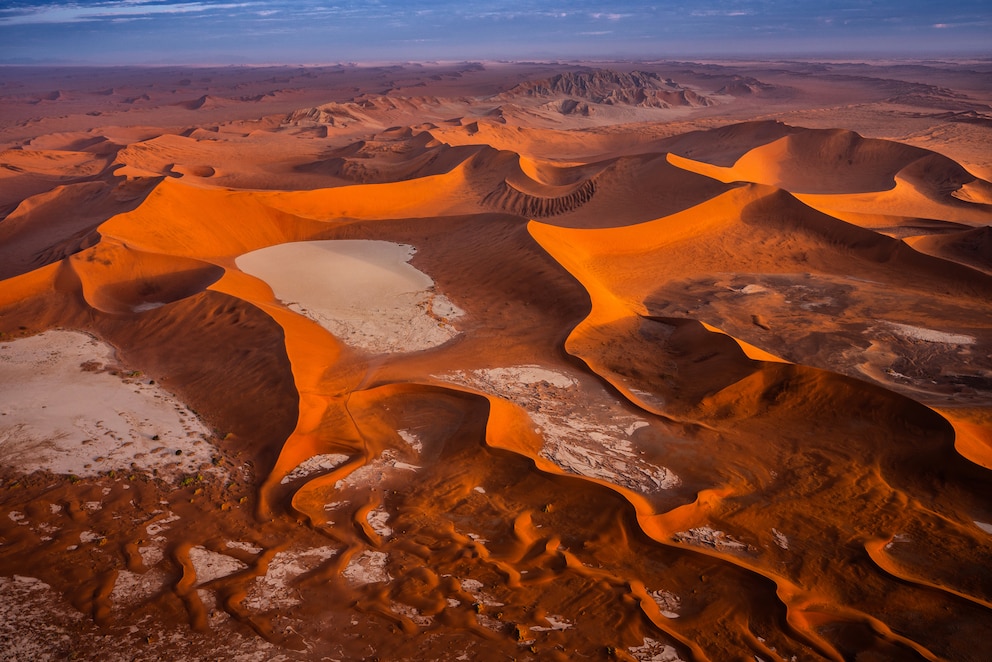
(725,145)
(48,226)
(116,279)
(970,247)
(77,141)
(57,164)
(210,223)
(904,199)
(454,374)
(972,437)
(825,162)
(389,158)
(840,172)
(24,173)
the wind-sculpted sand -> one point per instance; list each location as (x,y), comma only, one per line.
(666,361)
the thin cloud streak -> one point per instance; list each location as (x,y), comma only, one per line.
(108,11)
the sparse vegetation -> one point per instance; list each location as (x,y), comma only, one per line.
(191,480)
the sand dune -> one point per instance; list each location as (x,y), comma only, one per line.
(490,361)
(46,227)
(116,279)
(970,247)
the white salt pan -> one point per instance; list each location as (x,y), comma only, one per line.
(59,417)
(364,292)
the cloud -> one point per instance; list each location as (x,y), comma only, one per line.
(722,12)
(115,10)
(609,17)
(509,14)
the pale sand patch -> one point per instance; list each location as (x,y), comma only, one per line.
(668,603)
(35,624)
(411,439)
(160,523)
(369,567)
(89,536)
(364,292)
(151,555)
(555,623)
(412,613)
(315,464)
(529,374)
(375,471)
(131,588)
(275,590)
(67,420)
(705,536)
(930,335)
(377,520)
(474,588)
(244,546)
(211,565)
(898,538)
(654,651)
(582,435)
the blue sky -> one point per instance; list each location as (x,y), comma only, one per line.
(307,31)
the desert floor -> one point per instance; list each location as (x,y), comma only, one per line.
(486,361)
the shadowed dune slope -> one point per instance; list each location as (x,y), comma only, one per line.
(46,227)
(840,162)
(725,145)
(748,229)
(826,162)
(971,247)
(115,279)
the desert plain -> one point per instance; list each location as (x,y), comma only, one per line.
(621,360)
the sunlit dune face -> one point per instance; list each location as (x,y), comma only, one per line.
(488,362)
